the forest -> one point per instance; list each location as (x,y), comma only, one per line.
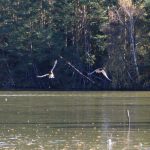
(81,36)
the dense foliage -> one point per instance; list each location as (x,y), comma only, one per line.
(88,34)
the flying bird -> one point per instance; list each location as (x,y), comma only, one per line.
(99,71)
(50,74)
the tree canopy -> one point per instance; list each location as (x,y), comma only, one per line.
(82,35)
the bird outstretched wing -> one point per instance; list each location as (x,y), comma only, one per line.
(42,76)
(100,70)
(50,74)
(55,63)
(105,74)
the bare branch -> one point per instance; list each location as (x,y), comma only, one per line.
(119,18)
(77,70)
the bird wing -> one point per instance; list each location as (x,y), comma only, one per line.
(104,73)
(42,76)
(99,70)
(55,63)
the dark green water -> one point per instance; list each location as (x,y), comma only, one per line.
(75,120)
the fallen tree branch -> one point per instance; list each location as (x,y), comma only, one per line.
(67,62)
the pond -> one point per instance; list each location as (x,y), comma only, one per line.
(75,120)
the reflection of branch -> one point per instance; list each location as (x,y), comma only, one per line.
(127,141)
(77,70)
(128,114)
(109,144)
(128,134)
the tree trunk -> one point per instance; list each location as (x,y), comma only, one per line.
(132,47)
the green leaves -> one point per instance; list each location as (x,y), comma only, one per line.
(147,2)
(35,33)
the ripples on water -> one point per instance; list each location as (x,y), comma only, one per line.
(43,137)
(75,122)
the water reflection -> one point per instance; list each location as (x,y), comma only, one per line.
(75,122)
(44,137)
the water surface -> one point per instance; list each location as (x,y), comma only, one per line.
(75,120)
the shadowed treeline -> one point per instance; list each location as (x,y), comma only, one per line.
(82,36)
